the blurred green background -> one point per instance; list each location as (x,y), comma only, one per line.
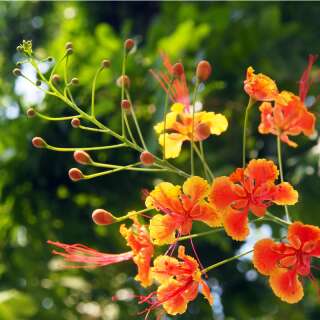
(38,201)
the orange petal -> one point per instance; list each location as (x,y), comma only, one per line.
(162,229)
(196,188)
(143,262)
(285,194)
(286,285)
(267,123)
(206,213)
(170,296)
(192,263)
(206,292)
(222,193)
(264,257)
(164,268)
(284,138)
(262,171)
(304,232)
(236,224)
(307,123)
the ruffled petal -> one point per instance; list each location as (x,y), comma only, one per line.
(164,268)
(307,123)
(304,233)
(206,291)
(170,296)
(217,122)
(286,285)
(173,144)
(262,171)
(196,188)
(222,193)
(162,229)
(206,213)
(265,258)
(285,194)
(236,224)
(266,124)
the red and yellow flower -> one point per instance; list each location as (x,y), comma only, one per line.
(286,263)
(137,238)
(287,117)
(179,283)
(180,208)
(250,189)
(259,86)
(178,128)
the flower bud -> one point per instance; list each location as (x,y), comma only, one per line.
(203,70)
(103,217)
(56,78)
(38,83)
(18,64)
(123,80)
(147,158)
(38,142)
(125,104)
(75,122)
(74,81)
(69,51)
(50,59)
(105,63)
(16,72)
(178,69)
(30,113)
(82,157)
(203,131)
(129,44)
(69,45)
(75,174)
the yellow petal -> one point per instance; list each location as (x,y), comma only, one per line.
(177,107)
(173,144)
(162,229)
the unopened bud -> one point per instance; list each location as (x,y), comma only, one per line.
(69,45)
(125,104)
(16,72)
(38,83)
(129,44)
(123,80)
(103,217)
(38,142)
(75,174)
(56,78)
(30,113)
(75,122)
(147,158)
(74,81)
(203,131)
(19,64)
(69,51)
(105,63)
(203,70)
(82,157)
(50,59)
(178,69)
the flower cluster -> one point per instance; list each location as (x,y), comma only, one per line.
(223,203)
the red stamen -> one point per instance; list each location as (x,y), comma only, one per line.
(305,81)
(89,257)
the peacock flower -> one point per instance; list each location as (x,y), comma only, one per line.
(250,189)
(259,86)
(285,263)
(287,117)
(137,237)
(180,208)
(179,283)
(178,128)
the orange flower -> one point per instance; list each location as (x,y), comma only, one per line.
(138,239)
(288,117)
(250,189)
(180,209)
(259,86)
(284,263)
(178,128)
(179,283)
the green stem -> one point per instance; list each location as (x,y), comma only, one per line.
(200,234)
(277,220)
(165,110)
(204,162)
(113,166)
(245,124)
(218,264)
(48,146)
(123,72)
(40,115)
(94,91)
(196,87)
